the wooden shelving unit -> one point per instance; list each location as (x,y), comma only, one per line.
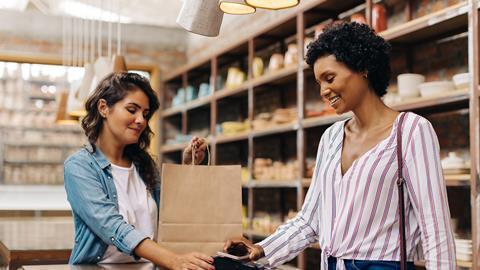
(443,24)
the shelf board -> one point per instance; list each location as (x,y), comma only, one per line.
(276,77)
(232,138)
(28,110)
(465,264)
(33,198)
(71,128)
(231,91)
(187,106)
(440,99)
(457,180)
(275,129)
(306,182)
(271,184)
(167,148)
(424,28)
(50,145)
(37,162)
(250,232)
(172,111)
(43,97)
(46,82)
(324,120)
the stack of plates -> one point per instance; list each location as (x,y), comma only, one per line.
(464,249)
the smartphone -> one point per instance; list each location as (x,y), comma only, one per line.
(237,252)
(233,257)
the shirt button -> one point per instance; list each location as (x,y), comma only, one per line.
(98,258)
(109,177)
(113,239)
(114,196)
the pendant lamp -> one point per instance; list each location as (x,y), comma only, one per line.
(236,7)
(118,61)
(272,4)
(201,17)
(62,118)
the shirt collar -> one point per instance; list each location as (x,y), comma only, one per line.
(98,155)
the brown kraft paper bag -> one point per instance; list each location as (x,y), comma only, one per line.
(200,207)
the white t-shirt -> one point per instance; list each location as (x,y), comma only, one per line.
(137,207)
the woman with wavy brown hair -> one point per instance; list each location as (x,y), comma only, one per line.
(112,183)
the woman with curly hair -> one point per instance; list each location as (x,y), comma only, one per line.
(351,208)
(112,183)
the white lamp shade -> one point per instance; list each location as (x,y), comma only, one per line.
(84,89)
(75,106)
(235,7)
(202,17)
(103,66)
(273,4)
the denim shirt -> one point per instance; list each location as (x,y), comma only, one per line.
(92,194)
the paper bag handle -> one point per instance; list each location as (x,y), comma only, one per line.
(193,155)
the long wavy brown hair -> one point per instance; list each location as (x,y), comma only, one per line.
(112,89)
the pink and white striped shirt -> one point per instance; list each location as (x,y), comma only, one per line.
(355,216)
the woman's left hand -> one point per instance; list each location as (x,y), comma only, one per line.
(198,145)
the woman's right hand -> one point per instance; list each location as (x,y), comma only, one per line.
(192,261)
(255,252)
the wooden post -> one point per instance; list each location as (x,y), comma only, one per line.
(184,112)
(368,12)
(156,120)
(300,115)
(251,156)
(474,69)
(213,109)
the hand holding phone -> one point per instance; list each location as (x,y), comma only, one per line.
(241,246)
(237,252)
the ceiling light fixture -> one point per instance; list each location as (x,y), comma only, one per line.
(273,4)
(236,7)
(201,17)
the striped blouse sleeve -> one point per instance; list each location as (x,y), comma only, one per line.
(427,192)
(300,232)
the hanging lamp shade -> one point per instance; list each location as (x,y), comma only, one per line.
(62,118)
(201,17)
(75,106)
(119,64)
(273,4)
(235,7)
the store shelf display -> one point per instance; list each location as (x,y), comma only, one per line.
(266,170)
(32,147)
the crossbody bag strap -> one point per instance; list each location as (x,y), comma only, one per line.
(401,198)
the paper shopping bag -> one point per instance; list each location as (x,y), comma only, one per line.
(200,207)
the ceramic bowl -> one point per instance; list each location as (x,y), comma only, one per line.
(453,161)
(430,89)
(461,80)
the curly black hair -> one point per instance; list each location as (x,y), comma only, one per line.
(359,48)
